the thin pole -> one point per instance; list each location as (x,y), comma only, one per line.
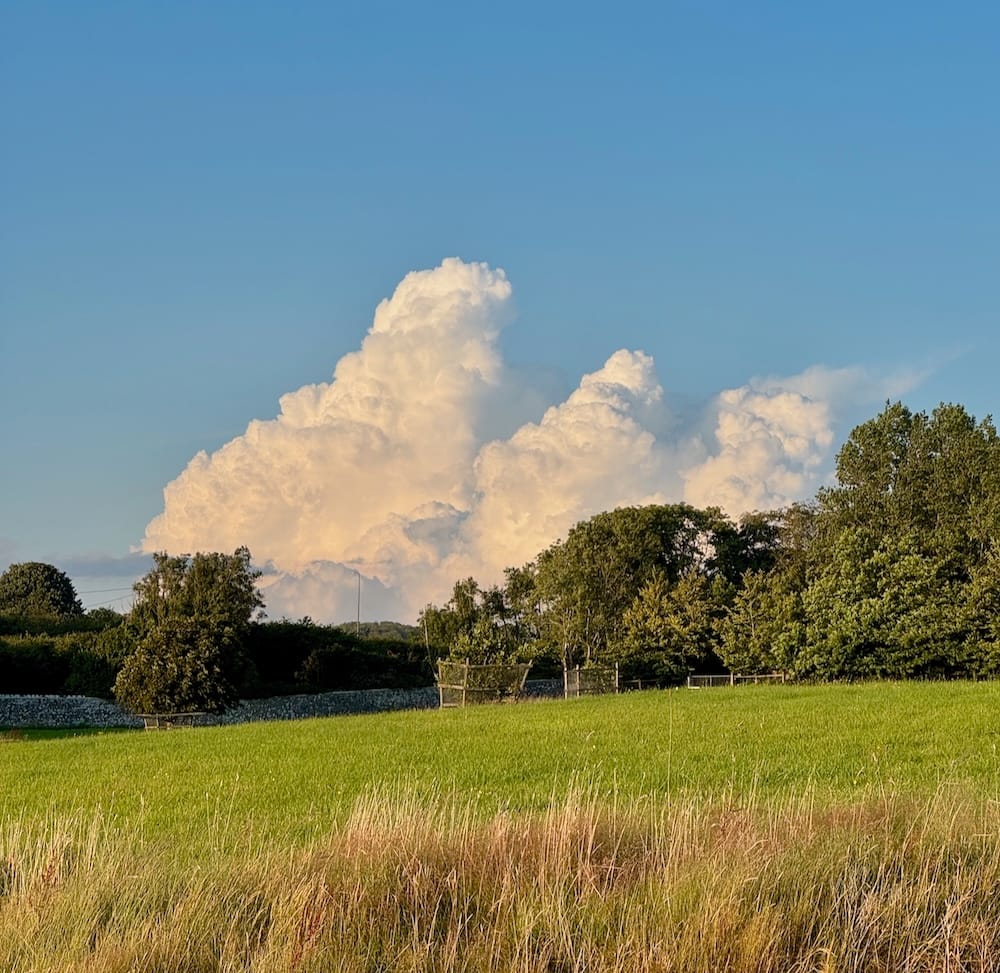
(358,573)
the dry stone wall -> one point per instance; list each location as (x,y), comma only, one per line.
(72,711)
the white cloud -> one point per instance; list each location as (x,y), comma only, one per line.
(426,459)
(770,447)
(773,438)
(325,590)
(396,429)
(591,453)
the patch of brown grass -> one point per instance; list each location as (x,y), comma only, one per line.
(886,884)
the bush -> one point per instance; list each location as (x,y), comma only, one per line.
(295,657)
(95,621)
(95,664)
(83,660)
(181,665)
(31,664)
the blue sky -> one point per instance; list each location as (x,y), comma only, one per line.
(202,205)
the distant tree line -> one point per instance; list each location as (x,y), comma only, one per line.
(193,641)
(892,572)
(645,587)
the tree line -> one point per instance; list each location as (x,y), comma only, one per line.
(893,571)
(195,640)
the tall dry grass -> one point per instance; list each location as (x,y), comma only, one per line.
(886,884)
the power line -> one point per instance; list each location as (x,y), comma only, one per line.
(101,591)
(111,601)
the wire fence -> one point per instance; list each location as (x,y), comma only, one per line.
(462,684)
(590,681)
(733,679)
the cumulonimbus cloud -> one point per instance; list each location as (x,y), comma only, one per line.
(413,466)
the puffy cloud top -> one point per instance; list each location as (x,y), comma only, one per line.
(396,429)
(770,445)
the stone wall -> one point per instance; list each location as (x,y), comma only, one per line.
(70,711)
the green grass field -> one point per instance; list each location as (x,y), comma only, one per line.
(796,827)
(296,779)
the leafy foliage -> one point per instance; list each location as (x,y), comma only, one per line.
(84,662)
(191,615)
(891,574)
(276,658)
(295,657)
(764,629)
(479,625)
(671,630)
(384,631)
(218,589)
(587,582)
(38,590)
(180,665)
(642,585)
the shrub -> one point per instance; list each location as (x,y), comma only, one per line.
(181,665)
(31,664)
(295,657)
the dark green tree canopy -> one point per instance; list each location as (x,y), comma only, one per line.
(36,589)
(671,630)
(576,603)
(889,574)
(218,589)
(180,666)
(191,616)
(587,583)
(936,477)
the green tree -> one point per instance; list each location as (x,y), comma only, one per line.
(216,588)
(895,571)
(35,589)
(981,613)
(191,618)
(764,629)
(587,582)
(882,608)
(871,470)
(443,626)
(102,618)
(672,629)
(935,477)
(180,665)
(477,623)
(489,641)
(753,544)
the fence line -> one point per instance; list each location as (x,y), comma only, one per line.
(461,684)
(590,681)
(732,679)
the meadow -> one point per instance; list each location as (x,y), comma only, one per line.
(851,827)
